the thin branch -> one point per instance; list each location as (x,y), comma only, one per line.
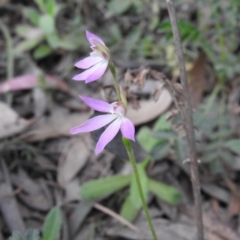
(10,54)
(8,39)
(116,216)
(188,121)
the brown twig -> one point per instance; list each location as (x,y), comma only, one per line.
(188,120)
(213,224)
(116,216)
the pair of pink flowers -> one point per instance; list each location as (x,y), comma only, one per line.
(96,65)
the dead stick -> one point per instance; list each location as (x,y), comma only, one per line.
(188,121)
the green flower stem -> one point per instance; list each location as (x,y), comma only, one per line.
(128,146)
(113,71)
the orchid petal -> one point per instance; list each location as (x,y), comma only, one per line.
(97,105)
(84,75)
(92,37)
(88,62)
(108,135)
(93,123)
(98,73)
(128,129)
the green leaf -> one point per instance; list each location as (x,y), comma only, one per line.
(42,51)
(165,192)
(67,44)
(213,146)
(47,24)
(41,5)
(144,137)
(134,193)
(162,124)
(233,145)
(53,40)
(32,234)
(210,157)
(118,7)
(28,32)
(103,187)
(145,162)
(164,135)
(50,7)
(52,224)
(221,134)
(161,150)
(129,211)
(187,30)
(16,236)
(227,156)
(182,148)
(32,15)
(216,167)
(27,45)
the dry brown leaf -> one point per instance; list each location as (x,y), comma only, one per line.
(221,229)
(141,78)
(216,191)
(166,229)
(170,114)
(77,217)
(72,190)
(77,155)
(215,206)
(128,78)
(10,122)
(34,194)
(212,236)
(234,203)
(234,206)
(149,109)
(9,209)
(40,102)
(45,163)
(213,224)
(197,79)
(56,125)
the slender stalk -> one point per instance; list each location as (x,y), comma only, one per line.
(128,146)
(113,71)
(10,62)
(188,121)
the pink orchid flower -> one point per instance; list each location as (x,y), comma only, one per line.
(97,63)
(116,117)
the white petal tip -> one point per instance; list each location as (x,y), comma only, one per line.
(75,78)
(89,81)
(131,138)
(72,132)
(97,151)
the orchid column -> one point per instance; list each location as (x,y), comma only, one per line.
(96,65)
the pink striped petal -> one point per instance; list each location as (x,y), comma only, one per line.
(84,75)
(97,105)
(88,62)
(98,73)
(108,135)
(93,124)
(128,129)
(92,37)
